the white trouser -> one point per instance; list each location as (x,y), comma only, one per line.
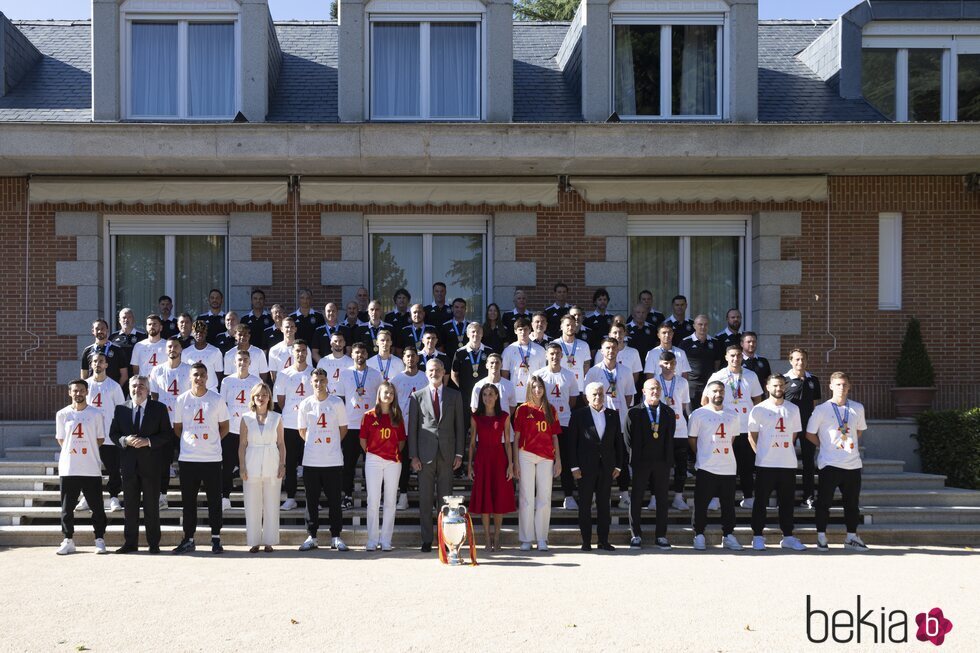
(262,511)
(534,504)
(378,470)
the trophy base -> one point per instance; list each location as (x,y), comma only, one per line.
(453,560)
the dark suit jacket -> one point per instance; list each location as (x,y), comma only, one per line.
(429,437)
(643,448)
(586,451)
(154,424)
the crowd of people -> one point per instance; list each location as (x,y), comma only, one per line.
(614,407)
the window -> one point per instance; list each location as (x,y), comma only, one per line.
(702,259)
(426,70)
(182,69)
(180,258)
(890,261)
(406,254)
(667,70)
(968,91)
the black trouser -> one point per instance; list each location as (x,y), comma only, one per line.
(681,449)
(143,479)
(406,472)
(294,457)
(110,460)
(567,480)
(91,488)
(192,476)
(707,486)
(168,454)
(229,461)
(598,483)
(783,480)
(849,482)
(745,464)
(351,446)
(659,475)
(808,452)
(330,481)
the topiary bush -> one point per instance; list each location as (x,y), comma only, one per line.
(914,369)
(949,444)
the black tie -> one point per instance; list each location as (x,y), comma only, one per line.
(136,421)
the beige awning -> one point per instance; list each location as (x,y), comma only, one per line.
(701,189)
(420,191)
(160,190)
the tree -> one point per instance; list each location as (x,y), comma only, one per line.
(545,9)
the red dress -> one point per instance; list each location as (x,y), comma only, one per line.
(492,492)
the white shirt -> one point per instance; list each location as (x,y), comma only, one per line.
(236,393)
(573,359)
(679,394)
(387,369)
(333,366)
(78,433)
(508,402)
(168,383)
(212,359)
(322,421)
(280,357)
(146,355)
(739,390)
(775,426)
(405,386)
(599,419)
(199,417)
(257,362)
(628,357)
(560,387)
(294,386)
(104,396)
(360,392)
(652,362)
(838,443)
(715,431)
(619,388)
(518,361)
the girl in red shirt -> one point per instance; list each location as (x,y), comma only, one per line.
(493,491)
(382,438)
(538,462)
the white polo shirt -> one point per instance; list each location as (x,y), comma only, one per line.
(78,433)
(333,366)
(322,421)
(775,426)
(200,439)
(360,392)
(675,393)
(169,383)
(280,357)
(295,386)
(257,362)
(104,396)
(236,393)
(628,357)
(739,390)
(146,355)
(387,369)
(652,363)
(837,431)
(518,361)
(212,359)
(405,385)
(573,359)
(715,431)
(560,387)
(508,401)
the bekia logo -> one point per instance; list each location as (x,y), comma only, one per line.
(874,625)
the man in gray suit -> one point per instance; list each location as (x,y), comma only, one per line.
(435,441)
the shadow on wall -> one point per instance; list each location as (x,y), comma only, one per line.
(51,84)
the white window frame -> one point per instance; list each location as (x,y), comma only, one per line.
(685,227)
(169,227)
(427,227)
(424,21)
(666,22)
(889,261)
(182,20)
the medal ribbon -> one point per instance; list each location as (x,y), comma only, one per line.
(565,349)
(610,376)
(524,355)
(359,382)
(479,357)
(842,421)
(384,370)
(654,417)
(734,383)
(669,393)
(458,330)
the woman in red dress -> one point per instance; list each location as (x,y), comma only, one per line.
(491,472)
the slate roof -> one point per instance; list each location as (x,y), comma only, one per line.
(59,86)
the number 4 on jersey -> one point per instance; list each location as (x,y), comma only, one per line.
(240,398)
(322,421)
(78,431)
(720,431)
(556,391)
(780,426)
(199,416)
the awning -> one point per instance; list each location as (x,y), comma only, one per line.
(420,191)
(701,189)
(160,190)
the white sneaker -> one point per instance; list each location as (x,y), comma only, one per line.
(542,545)
(792,543)
(402,502)
(82,506)
(822,543)
(337,543)
(299,471)
(714,504)
(653,504)
(114,505)
(699,543)
(309,544)
(747,503)
(173,471)
(387,547)
(811,503)
(570,504)
(225,504)
(100,546)
(289,504)
(164,504)
(854,543)
(67,546)
(371,546)
(729,542)
(759,543)
(624,499)
(525,546)
(680,503)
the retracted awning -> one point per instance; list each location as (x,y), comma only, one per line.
(701,189)
(420,191)
(160,190)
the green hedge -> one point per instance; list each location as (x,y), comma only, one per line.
(949,444)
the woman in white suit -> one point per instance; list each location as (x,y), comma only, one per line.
(262,462)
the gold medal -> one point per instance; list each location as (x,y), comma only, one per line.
(476,374)
(375,345)
(571,360)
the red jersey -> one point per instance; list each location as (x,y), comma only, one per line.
(382,438)
(534,432)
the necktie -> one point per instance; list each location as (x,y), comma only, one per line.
(136,421)
(435,404)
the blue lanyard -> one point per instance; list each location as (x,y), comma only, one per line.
(384,370)
(842,421)
(417,335)
(479,357)
(524,355)
(359,382)
(654,417)
(663,386)
(574,347)
(610,376)
(458,330)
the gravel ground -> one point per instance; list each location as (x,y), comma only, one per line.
(407,601)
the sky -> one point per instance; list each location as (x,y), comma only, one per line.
(320,9)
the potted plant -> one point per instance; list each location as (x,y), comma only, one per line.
(914,377)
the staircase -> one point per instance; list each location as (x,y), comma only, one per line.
(898,508)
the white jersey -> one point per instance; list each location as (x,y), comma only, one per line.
(257,363)
(236,393)
(508,402)
(518,361)
(652,363)
(628,357)
(199,417)
(619,388)
(387,369)
(322,421)
(405,385)
(280,357)
(295,387)
(574,357)
(333,366)
(675,393)
(715,431)
(168,383)
(739,391)
(360,392)
(776,426)
(104,396)
(837,427)
(560,387)
(78,433)
(146,355)
(212,359)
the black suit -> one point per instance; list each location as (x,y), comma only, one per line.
(651,454)
(596,458)
(141,467)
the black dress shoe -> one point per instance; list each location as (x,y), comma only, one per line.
(586,547)
(426,547)
(216,547)
(154,550)
(127,548)
(606,546)
(186,546)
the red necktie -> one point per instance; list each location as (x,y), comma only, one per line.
(435,404)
